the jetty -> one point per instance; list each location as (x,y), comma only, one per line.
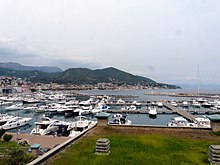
(183,113)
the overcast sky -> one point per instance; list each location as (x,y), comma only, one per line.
(165,40)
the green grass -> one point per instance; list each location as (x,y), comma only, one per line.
(138,150)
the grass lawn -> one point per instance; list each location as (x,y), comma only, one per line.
(138,150)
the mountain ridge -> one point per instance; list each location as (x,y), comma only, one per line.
(80,76)
(17,66)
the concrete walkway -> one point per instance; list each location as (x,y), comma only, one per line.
(47,141)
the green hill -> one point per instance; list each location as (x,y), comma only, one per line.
(84,76)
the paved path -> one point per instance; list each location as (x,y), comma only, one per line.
(47,141)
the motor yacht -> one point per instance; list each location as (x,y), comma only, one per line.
(152,112)
(120,119)
(181,122)
(15,122)
(45,126)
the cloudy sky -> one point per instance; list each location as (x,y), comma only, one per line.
(165,40)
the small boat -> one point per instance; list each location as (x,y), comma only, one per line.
(206,104)
(15,122)
(120,101)
(185,104)
(196,104)
(152,112)
(173,103)
(120,119)
(14,107)
(131,107)
(85,110)
(160,104)
(138,104)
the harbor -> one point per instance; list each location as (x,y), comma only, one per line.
(60,105)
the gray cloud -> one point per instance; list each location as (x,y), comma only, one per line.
(163,40)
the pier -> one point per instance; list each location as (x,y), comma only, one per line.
(139,111)
(183,113)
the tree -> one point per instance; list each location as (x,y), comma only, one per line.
(18,156)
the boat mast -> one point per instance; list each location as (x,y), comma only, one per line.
(197,81)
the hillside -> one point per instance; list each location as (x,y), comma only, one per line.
(81,76)
(17,66)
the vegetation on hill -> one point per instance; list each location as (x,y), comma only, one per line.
(81,76)
(17,66)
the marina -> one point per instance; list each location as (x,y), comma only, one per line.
(60,105)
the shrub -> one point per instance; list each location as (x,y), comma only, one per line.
(2,132)
(7,137)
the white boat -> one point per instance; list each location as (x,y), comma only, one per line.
(120,101)
(44,127)
(152,112)
(4,118)
(120,119)
(203,122)
(173,103)
(131,107)
(81,123)
(15,107)
(15,122)
(99,108)
(6,103)
(41,109)
(77,111)
(196,104)
(206,104)
(159,104)
(85,110)
(185,104)
(138,104)
(30,108)
(85,103)
(181,122)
